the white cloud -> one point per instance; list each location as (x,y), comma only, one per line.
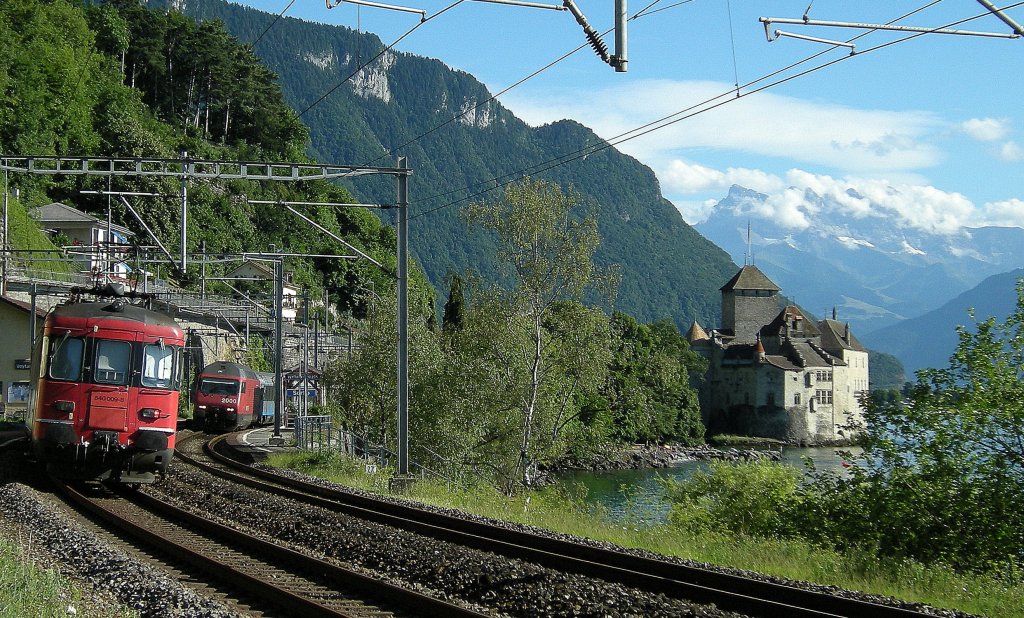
(1008,213)
(689,178)
(845,138)
(914,206)
(1011,151)
(879,157)
(985,129)
(694,212)
(788,209)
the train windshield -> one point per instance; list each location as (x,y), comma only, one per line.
(113,358)
(66,359)
(158,366)
(218,386)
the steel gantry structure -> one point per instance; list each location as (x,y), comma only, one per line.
(186,169)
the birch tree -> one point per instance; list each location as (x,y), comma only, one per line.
(547,247)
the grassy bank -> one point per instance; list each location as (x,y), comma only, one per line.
(555,509)
(27,590)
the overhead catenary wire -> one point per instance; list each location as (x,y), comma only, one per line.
(686,113)
(637,15)
(267,29)
(732,42)
(472,109)
(526,171)
(644,12)
(380,53)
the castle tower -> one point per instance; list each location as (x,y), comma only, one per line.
(749,301)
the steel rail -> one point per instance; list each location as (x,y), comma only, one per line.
(396,596)
(727,591)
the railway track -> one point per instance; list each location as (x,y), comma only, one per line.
(726,591)
(294,583)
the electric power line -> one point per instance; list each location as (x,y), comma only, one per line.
(379,54)
(691,111)
(644,12)
(267,29)
(523,80)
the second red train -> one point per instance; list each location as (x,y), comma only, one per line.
(229,396)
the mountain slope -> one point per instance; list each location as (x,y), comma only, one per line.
(406,103)
(874,268)
(929,340)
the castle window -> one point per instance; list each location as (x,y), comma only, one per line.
(823,396)
(796,399)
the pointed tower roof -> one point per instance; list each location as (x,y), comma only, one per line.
(750,278)
(696,333)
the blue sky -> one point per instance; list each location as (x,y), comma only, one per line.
(928,132)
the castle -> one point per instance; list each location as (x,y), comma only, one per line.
(776,374)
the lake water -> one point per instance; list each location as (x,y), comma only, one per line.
(635,496)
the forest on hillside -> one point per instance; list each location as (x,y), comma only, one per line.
(117,79)
(530,373)
(463,146)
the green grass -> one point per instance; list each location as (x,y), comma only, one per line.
(558,509)
(27,590)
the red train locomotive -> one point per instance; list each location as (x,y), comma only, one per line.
(229,396)
(104,397)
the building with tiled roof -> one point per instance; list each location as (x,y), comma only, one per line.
(775,373)
(98,245)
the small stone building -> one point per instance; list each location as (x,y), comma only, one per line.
(15,353)
(774,373)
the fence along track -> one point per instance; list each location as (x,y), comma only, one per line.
(729,592)
(262,569)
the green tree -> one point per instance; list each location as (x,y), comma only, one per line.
(648,387)
(363,386)
(547,250)
(949,462)
(454,306)
(752,498)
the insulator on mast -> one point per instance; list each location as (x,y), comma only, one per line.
(592,35)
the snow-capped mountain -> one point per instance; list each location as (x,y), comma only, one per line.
(872,267)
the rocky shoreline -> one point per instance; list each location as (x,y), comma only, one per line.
(640,456)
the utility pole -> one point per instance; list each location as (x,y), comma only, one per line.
(3,274)
(402,215)
(305,369)
(620,60)
(202,292)
(278,350)
(184,210)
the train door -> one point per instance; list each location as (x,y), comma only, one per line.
(157,404)
(56,385)
(257,402)
(108,399)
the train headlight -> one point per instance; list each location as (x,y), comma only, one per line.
(67,407)
(149,413)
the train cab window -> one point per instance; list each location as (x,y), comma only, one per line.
(66,359)
(158,366)
(113,358)
(216,386)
